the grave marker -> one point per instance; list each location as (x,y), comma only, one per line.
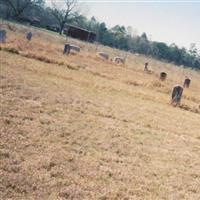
(2,36)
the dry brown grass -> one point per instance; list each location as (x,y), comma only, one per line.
(77,127)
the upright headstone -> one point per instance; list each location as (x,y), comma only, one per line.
(29,36)
(163,76)
(187,83)
(2,36)
(177,95)
(146,66)
(66,49)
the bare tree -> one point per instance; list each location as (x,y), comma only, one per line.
(65,14)
(17,7)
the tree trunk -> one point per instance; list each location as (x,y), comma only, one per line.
(61,28)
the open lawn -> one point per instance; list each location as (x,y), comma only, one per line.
(78,127)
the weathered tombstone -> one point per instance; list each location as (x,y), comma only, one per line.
(119,60)
(29,36)
(187,83)
(146,66)
(147,70)
(103,55)
(2,36)
(75,48)
(177,95)
(163,76)
(66,49)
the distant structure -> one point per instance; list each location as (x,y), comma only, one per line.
(177,95)
(79,33)
(163,76)
(2,36)
(29,36)
(103,55)
(187,83)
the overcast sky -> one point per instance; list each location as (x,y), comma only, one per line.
(167,21)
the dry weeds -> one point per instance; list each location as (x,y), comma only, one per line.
(101,131)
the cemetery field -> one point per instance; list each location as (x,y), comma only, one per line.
(79,127)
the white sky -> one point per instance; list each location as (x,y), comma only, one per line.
(165,21)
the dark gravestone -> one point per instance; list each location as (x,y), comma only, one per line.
(177,95)
(163,76)
(146,66)
(187,83)
(29,36)
(2,36)
(66,49)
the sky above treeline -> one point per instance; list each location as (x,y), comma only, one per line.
(167,21)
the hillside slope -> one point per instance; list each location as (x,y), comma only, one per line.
(79,127)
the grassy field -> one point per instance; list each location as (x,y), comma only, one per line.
(78,127)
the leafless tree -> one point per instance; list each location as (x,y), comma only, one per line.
(65,13)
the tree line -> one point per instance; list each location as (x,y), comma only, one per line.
(120,37)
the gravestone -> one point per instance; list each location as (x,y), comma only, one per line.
(75,48)
(66,49)
(103,55)
(177,95)
(146,66)
(187,83)
(119,60)
(29,36)
(2,36)
(163,76)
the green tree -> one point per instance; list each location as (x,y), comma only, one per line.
(18,7)
(144,36)
(193,50)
